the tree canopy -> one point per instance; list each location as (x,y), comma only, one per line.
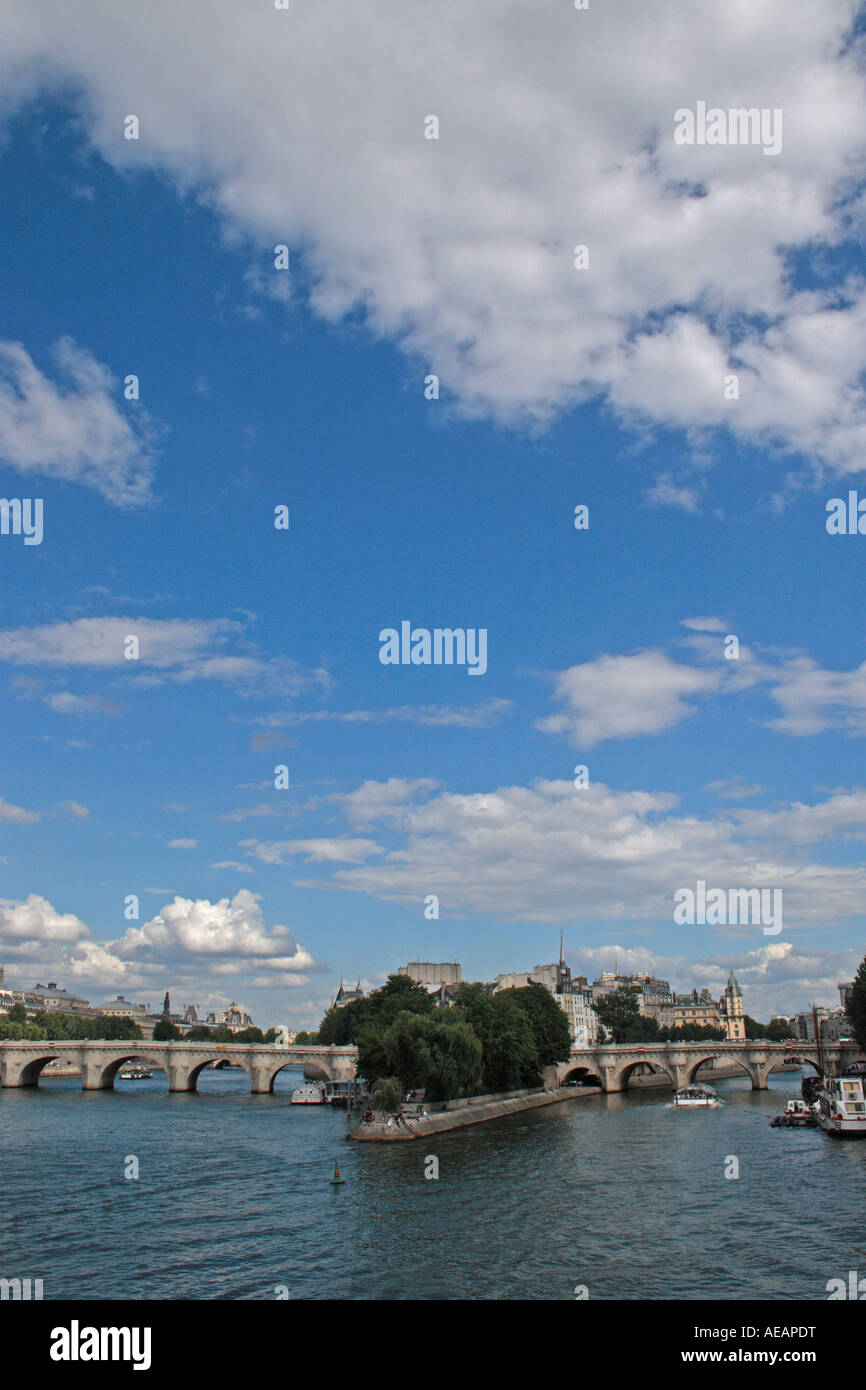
(857,1004)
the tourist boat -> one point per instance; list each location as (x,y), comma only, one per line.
(696,1095)
(796,1115)
(135,1073)
(311,1093)
(841,1107)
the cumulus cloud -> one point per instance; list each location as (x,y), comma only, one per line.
(75,430)
(461,250)
(169,649)
(18,813)
(35,920)
(389,800)
(230,933)
(648,692)
(550,853)
(623,696)
(193,945)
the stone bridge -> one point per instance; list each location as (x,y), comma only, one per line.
(99,1062)
(613,1063)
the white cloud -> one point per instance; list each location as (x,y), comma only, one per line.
(460,716)
(169,649)
(231,934)
(194,947)
(666,493)
(78,430)
(340,849)
(374,801)
(623,696)
(18,813)
(183,844)
(461,249)
(35,920)
(550,853)
(72,808)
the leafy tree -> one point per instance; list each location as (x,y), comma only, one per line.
(618,1010)
(857,1004)
(692,1032)
(387,1095)
(165,1031)
(306,1039)
(511,1059)
(17,1014)
(641,1029)
(441,1055)
(548,1023)
(779,1031)
(503,1029)
(399,994)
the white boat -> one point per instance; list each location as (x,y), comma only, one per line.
(135,1073)
(841,1105)
(696,1095)
(311,1093)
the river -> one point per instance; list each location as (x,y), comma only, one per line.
(624,1196)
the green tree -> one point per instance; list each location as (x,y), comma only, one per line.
(387,1095)
(502,1027)
(779,1031)
(548,1023)
(618,1010)
(440,1055)
(511,1058)
(303,1039)
(17,1014)
(399,994)
(165,1031)
(856,1009)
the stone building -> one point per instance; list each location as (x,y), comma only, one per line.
(433,973)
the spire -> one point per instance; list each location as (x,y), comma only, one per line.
(561,952)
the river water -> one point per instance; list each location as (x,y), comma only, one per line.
(623,1195)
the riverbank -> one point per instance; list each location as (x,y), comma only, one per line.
(474,1111)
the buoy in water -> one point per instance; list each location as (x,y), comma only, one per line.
(336,1180)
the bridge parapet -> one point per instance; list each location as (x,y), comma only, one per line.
(22,1062)
(613,1063)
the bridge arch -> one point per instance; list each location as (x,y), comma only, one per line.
(778,1064)
(108,1074)
(195,1069)
(32,1070)
(624,1074)
(727,1059)
(583,1075)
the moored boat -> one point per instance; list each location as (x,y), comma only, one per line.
(841,1106)
(796,1115)
(696,1095)
(311,1093)
(135,1073)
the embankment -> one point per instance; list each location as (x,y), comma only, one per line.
(472,1112)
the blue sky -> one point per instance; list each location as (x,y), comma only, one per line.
(260,647)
